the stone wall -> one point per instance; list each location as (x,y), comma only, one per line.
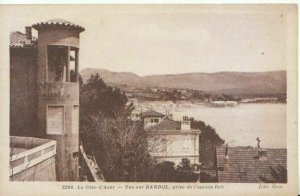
(64,94)
(23,93)
(44,171)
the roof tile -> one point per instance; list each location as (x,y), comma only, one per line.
(244,165)
(57,22)
(19,40)
(152,113)
(165,124)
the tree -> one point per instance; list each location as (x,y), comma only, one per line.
(164,172)
(73,77)
(167,172)
(185,172)
(96,98)
(119,145)
(122,148)
(209,140)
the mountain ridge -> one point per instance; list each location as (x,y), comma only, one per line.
(269,82)
(185,73)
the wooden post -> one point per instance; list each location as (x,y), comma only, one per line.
(68,65)
(77,64)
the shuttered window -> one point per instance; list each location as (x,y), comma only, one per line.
(186,143)
(164,145)
(55,120)
(75,119)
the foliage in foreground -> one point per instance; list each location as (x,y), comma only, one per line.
(167,172)
(119,145)
(208,141)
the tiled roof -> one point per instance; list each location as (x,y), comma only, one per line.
(165,124)
(152,113)
(244,165)
(19,40)
(57,22)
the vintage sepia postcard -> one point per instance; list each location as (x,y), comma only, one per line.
(157,99)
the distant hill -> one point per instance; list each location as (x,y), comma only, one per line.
(273,82)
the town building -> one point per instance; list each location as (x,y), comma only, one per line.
(44,90)
(223,103)
(251,165)
(260,100)
(136,114)
(151,117)
(173,141)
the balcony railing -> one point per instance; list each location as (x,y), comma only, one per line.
(59,89)
(27,152)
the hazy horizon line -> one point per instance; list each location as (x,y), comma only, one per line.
(196,72)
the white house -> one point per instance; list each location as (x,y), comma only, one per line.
(151,118)
(172,141)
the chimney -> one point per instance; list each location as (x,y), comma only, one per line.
(226,159)
(186,124)
(28,32)
(262,154)
(169,115)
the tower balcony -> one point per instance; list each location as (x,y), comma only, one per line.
(59,91)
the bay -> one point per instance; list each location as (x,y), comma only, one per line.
(242,124)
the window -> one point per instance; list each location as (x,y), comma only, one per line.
(154,120)
(186,143)
(164,145)
(75,155)
(57,63)
(62,63)
(55,120)
(75,119)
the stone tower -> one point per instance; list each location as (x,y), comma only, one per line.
(58,91)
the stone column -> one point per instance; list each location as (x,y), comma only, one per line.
(77,64)
(68,65)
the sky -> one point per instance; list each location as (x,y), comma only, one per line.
(171,39)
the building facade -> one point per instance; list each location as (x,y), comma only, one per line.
(45,90)
(151,117)
(173,141)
